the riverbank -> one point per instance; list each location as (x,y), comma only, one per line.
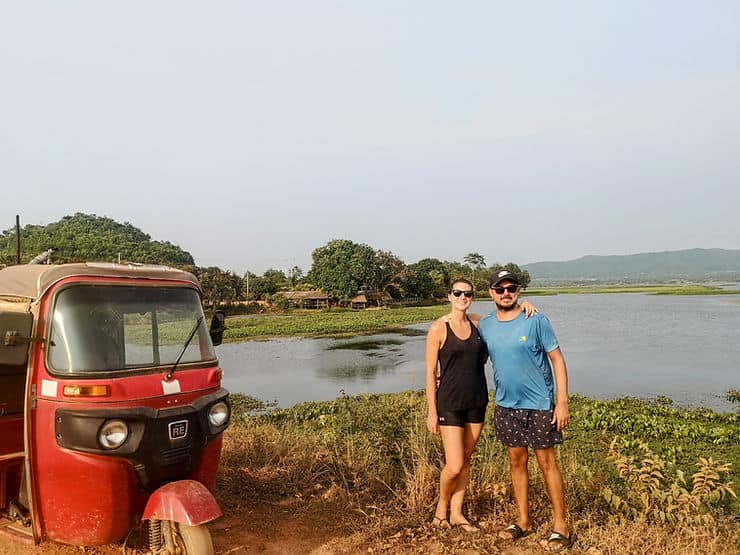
(342,322)
(657,289)
(640,477)
(360,475)
(330,322)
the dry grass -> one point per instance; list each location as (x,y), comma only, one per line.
(375,458)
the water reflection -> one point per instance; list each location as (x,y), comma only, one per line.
(367,345)
(615,345)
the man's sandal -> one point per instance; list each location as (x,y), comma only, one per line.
(515,532)
(558,542)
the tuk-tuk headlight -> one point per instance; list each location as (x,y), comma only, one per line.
(218,414)
(113,434)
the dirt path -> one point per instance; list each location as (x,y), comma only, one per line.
(295,527)
(275,527)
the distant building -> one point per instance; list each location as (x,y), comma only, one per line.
(305,299)
(367,299)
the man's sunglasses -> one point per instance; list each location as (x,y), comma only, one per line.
(508,288)
(458,292)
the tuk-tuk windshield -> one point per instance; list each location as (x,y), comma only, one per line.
(104,328)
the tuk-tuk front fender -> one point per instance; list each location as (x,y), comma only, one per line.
(185,501)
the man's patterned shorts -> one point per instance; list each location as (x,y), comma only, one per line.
(526,428)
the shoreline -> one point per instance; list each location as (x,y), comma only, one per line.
(343,323)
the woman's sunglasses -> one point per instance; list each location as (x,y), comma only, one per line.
(458,292)
(508,288)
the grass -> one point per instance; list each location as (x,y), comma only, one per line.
(328,322)
(640,477)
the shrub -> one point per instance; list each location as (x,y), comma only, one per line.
(652,496)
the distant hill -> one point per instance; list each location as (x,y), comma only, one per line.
(91,238)
(687,265)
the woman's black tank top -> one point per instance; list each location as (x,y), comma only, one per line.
(463,379)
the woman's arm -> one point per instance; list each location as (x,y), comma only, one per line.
(435,338)
(528,308)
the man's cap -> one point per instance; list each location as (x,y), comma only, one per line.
(503,275)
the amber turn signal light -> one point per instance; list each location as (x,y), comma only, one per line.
(86,390)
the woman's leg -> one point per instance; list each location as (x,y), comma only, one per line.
(471,434)
(453,443)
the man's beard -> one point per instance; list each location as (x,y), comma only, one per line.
(507,308)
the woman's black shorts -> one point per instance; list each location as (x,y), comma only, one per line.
(461,417)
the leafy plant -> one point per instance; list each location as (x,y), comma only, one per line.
(651,495)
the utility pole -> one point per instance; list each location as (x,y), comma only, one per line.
(17,239)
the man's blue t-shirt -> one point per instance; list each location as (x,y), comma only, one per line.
(521,369)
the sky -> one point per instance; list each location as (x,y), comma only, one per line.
(250,133)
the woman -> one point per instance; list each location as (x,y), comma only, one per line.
(457,395)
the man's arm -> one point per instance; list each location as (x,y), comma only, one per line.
(561,417)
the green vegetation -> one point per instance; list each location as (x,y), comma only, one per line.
(337,322)
(689,289)
(342,267)
(90,238)
(327,322)
(628,465)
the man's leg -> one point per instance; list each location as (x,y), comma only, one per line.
(555,488)
(471,435)
(453,443)
(518,458)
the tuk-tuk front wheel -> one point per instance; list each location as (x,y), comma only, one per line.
(196,540)
(172,538)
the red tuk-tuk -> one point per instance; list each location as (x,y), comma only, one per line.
(111,405)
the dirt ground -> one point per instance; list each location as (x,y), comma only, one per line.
(297,526)
(270,527)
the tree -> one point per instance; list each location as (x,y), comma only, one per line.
(474,260)
(219,286)
(294,276)
(341,267)
(91,238)
(269,283)
(427,278)
(521,275)
(389,269)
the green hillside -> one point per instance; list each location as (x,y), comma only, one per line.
(688,265)
(91,238)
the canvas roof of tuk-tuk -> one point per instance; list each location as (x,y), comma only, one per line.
(32,280)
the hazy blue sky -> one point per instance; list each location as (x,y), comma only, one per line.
(250,133)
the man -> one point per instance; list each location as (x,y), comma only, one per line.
(526,356)
(44,257)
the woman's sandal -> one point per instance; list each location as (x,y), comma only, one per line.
(440,522)
(558,542)
(466,527)
(515,532)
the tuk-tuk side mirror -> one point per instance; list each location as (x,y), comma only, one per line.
(15,336)
(218,325)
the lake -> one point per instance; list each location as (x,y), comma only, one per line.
(684,347)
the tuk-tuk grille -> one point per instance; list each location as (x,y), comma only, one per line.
(176,455)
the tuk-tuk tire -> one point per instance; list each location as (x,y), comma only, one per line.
(196,539)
